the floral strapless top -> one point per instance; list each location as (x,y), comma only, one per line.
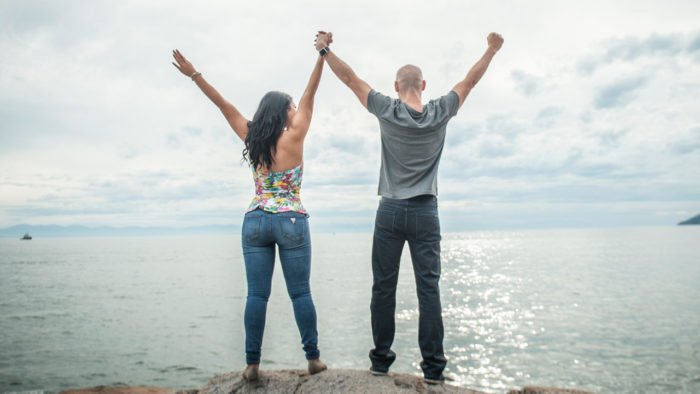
(278,191)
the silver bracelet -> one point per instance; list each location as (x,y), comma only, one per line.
(194,74)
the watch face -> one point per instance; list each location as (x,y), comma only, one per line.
(323,51)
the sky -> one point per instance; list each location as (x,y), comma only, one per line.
(587,117)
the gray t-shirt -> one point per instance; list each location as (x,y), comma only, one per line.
(412,143)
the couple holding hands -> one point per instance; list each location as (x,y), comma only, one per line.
(412,139)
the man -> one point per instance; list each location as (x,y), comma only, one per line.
(412,135)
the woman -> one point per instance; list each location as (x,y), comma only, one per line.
(274,148)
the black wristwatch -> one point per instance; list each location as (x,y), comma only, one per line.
(324,51)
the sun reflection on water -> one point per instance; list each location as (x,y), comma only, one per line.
(484,321)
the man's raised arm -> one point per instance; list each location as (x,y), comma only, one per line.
(341,69)
(477,71)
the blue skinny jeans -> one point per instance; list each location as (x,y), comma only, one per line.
(290,232)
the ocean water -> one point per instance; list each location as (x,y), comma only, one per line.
(613,311)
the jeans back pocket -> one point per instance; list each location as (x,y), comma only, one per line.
(428,227)
(294,227)
(384,221)
(251,227)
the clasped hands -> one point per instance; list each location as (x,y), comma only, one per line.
(323,39)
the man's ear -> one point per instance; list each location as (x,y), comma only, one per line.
(396,86)
(422,85)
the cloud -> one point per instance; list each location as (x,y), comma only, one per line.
(99,129)
(547,116)
(495,146)
(694,44)
(611,139)
(194,131)
(688,143)
(131,198)
(28,16)
(629,49)
(505,125)
(128,152)
(694,47)
(619,93)
(525,83)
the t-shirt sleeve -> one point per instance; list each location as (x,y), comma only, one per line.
(444,108)
(377,103)
(450,103)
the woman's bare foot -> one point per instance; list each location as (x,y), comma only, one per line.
(251,372)
(316,366)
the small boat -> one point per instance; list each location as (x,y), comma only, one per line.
(26,237)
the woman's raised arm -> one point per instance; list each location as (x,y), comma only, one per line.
(302,120)
(238,122)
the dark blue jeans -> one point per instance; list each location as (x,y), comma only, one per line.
(290,232)
(414,220)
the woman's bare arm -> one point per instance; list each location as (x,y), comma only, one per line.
(302,120)
(238,122)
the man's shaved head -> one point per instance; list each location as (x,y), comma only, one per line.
(409,77)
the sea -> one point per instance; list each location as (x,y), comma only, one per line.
(607,310)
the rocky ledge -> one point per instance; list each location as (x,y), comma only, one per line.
(330,381)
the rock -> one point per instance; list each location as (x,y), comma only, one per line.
(330,381)
(694,220)
(121,390)
(547,390)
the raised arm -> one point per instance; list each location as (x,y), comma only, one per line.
(477,71)
(341,69)
(302,119)
(238,123)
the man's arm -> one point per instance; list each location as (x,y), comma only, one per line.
(238,122)
(477,71)
(342,70)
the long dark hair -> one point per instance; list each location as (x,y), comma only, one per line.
(266,128)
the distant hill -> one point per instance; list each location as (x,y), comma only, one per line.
(84,231)
(694,220)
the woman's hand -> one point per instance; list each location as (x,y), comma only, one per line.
(183,64)
(323,39)
(238,123)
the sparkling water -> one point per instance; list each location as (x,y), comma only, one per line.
(614,310)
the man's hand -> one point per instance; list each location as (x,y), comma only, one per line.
(495,41)
(463,87)
(323,39)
